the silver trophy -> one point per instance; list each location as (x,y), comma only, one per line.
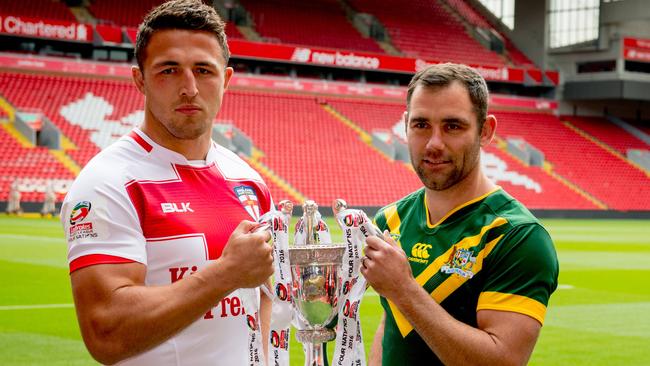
(315,272)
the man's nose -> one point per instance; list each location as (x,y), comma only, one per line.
(435,140)
(188,84)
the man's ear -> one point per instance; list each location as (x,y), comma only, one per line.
(227,77)
(489,130)
(138,78)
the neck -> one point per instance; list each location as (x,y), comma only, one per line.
(441,203)
(191,149)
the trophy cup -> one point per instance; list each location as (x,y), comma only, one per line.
(315,273)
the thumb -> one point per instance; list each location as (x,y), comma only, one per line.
(244,227)
(389,239)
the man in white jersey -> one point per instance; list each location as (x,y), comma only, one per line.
(159,224)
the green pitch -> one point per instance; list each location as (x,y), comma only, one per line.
(600,315)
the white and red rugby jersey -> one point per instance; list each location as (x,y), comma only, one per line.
(137,201)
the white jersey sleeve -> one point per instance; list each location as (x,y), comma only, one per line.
(101,225)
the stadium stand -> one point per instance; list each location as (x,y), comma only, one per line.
(38,9)
(305,23)
(112,101)
(607,133)
(93,112)
(111,13)
(641,125)
(531,185)
(424,28)
(318,155)
(610,179)
(232,31)
(121,12)
(476,19)
(18,162)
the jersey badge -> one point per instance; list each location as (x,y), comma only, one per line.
(80,212)
(248,199)
(460,262)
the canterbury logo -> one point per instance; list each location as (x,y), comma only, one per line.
(173,207)
(421,250)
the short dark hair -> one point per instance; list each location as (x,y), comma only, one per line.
(440,75)
(180,14)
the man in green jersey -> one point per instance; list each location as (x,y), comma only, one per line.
(465,271)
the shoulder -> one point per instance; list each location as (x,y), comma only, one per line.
(501,204)
(400,208)
(232,166)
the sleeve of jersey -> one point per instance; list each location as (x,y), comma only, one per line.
(101,224)
(521,274)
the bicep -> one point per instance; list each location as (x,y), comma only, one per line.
(93,287)
(515,332)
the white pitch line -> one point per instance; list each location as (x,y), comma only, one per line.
(41,306)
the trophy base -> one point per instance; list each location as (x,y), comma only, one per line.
(315,335)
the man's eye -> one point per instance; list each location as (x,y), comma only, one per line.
(168,71)
(420,125)
(203,71)
(453,127)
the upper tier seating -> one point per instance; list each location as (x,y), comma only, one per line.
(315,23)
(475,18)
(45,9)
(122,12)
(425,29)
(607,132)
(131,13)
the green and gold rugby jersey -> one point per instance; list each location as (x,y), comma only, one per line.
(489,253)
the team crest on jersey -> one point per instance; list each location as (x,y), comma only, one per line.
(80,212)
(460,262)
(248,199)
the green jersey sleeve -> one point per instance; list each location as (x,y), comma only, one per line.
(521,273)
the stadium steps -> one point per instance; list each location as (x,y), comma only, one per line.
(469,28)
(22,140)
(249,33)
(270,175)
(66,161)
(604,146)
(83,15)
(389,48)
(548,169)
(363,134)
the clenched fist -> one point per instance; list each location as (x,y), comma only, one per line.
(249,255)
(385,266)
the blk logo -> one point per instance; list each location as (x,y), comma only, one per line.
(169,207)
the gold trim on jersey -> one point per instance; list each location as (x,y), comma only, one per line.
(454,210)
(453,282)
(510,302)
(392,219)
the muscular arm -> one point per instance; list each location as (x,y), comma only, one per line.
(120,317)
(502,338)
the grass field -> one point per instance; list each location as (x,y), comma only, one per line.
(600,315)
